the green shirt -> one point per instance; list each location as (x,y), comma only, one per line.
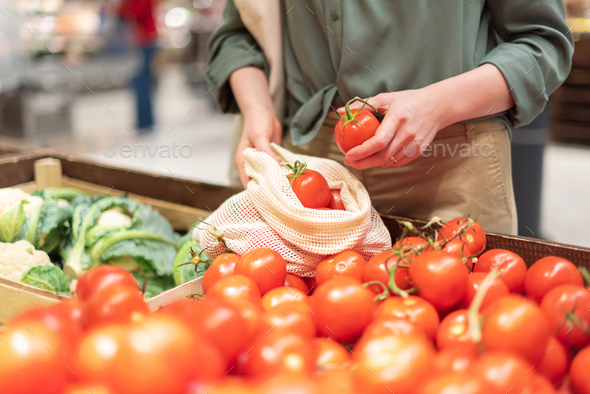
(335,50)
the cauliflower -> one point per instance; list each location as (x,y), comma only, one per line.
(10,197)
(17,258)
(114,218)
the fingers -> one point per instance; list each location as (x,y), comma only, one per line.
(383,157)
(383,136)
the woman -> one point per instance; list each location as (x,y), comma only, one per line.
(434,69)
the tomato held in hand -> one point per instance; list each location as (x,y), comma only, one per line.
(377,269)
(264,266)
(116,304)
(511,266)
(355,127)
(297,282)
(414,309)
(310,187)
(496,290)
(473,235)
(548,273)
(336,200)
(234,287)
(102,276)
(345,264)
(222,266)
(579,372)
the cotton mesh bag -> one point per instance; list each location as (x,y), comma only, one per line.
(269,214)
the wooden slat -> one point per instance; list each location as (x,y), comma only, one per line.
(570,132)
(193,287)
(18,297)
(571,113)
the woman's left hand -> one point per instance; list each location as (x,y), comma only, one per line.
(412,119)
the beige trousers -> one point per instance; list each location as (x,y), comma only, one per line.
(466,173)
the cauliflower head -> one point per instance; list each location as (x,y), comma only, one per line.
(17,258)
(10,197)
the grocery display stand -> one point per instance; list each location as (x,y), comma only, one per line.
(183,202)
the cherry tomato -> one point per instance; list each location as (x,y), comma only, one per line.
(548,273)
(474,237)
(342,307)
(414,309)
(455,359)
(345,264)
(310,187)
(454,331)
(410,246)
(297,282)
(502,372)
(235,287)
(264,266)
(377,269)
(392,363)
(354,128)
(566,308)
(579,372)
(222,266)
(517,325)
(114,304)
(296,319)
(284,296)
(330,354)
(102,276)
(440,276)
(336,200)
(555,360)
(511,266)
(454,382)
(496,290)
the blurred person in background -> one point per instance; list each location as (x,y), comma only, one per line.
(140,14)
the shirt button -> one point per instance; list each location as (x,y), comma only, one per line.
(334,16)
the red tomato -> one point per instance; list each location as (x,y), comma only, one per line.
(330,354)
(311,283)
(410,245)
(554,363)
(85,388)
(33,359)
(414,309)
(116,304)
(297,282)
(296,319)
(251,313)
(566,308)
(221,267)
(343,307)
(102,276)
(377,269)
(288,383)
(541,385)
(354,128)
(392,363)
(454,331)
(440,276)
(390,325)
(459,248)
(496,290)
(502,372)
(235,287)
(455,359)
(579,372)
(548,273)
(284,296)
(345,264)
(264,266)
(453,382)
(511,266)
(310,187)
(336,200)
(474,237)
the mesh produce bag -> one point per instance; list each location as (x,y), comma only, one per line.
(269,214)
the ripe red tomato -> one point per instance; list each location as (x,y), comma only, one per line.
(284,296)
(115,304)
(330,354)
(511,266)
(297,282)
(251,313)
(377,270)
(102,276)
(310,187)
(311,283)
(566,308)
(414,309)
(579,372)
(264,266)
(336,200)
(548,273)
(460,249)
(515,324)
(411,245)
(440,276)
(502,372)
(345,264)
(222,266)
(295,319)
(453,331)
(343,307)
(453,382)
(554,363)
(541,385)
(496,290)
(85,388)
(235,287)
(354,128)
(389,325)
(474,238)
(455,359)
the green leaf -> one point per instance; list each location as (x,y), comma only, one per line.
(48,277)
(154,285)
(47,225)
(151,255)
(11,222)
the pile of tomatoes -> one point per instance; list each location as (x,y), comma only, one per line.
(432,315)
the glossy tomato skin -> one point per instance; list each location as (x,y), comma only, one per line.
(453,331)
(455,359)
(502,372)
(330,354)
(548,273)
(453,382)
(496,290)
(235,287)
(284,296)
(222,266)
(311,189)
(474,238)
(414,309)
(336,200)
(115,304)
(570,299)
(351,135)
(511,266)
(102,276)
(389,325)
(297,282)
(579,372)
(516,324)
(264,266)
(460,249)
(411,245)
(555,362)
(440,276)
(377,269)
(342,308)
(345,264)
(296,319)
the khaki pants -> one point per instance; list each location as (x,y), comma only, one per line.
(450,183)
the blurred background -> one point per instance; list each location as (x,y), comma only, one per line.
(74,76)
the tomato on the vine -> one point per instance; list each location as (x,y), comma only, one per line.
(411,246)
(222,266)
(377,269)
(548,273)
(460,249)
(414,309)
(354,128)
(472,234)
(511,266)
(344,264)
(103,276)
(115,304)
(496,290)
(310,187)
(264,266)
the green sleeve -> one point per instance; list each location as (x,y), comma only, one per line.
(535,57)
(231,47)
